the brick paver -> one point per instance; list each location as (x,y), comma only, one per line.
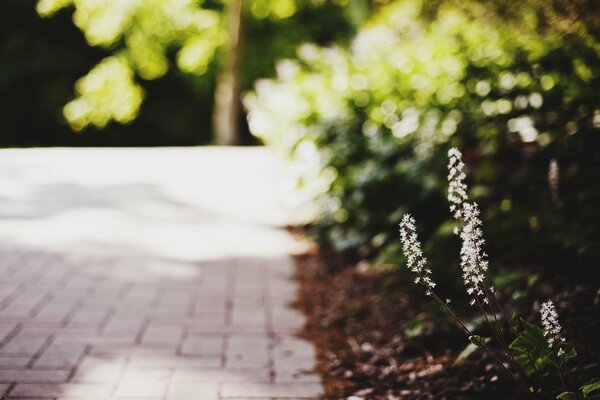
(147,274)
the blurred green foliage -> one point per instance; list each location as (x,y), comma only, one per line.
(367,128)
(43,59)
(140,32)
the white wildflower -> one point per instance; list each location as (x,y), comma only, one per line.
(473,261)
(411,248)
(457,188)
(550,323)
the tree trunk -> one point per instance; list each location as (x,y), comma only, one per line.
(227,94)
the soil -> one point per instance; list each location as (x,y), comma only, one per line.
(378,338)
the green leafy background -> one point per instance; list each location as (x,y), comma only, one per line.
(367,127)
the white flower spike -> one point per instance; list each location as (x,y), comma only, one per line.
(551,325)
(457,188)
(473,261)
(411,248)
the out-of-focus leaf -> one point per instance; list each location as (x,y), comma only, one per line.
(567,396)
(470,349)
(414,328)
(514,319)
(506,279)
(532,279)
(591,387)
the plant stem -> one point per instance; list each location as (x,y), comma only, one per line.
(562,378)
(570,382)
(500,338)
(468,331)
(492,295)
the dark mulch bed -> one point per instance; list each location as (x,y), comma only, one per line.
(361,323)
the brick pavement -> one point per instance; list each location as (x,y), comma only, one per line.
(147,274)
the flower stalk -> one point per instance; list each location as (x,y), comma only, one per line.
(473,262)
(417,263)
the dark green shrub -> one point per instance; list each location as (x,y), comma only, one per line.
(367,129)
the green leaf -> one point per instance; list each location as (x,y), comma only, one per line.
(414,328)
(590,387)
(506,279)
(478,341)
(520,298)
(531,348)
(532,279)
(470,349)
(514,319)
(447,228)
(530,339)
(567,396)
